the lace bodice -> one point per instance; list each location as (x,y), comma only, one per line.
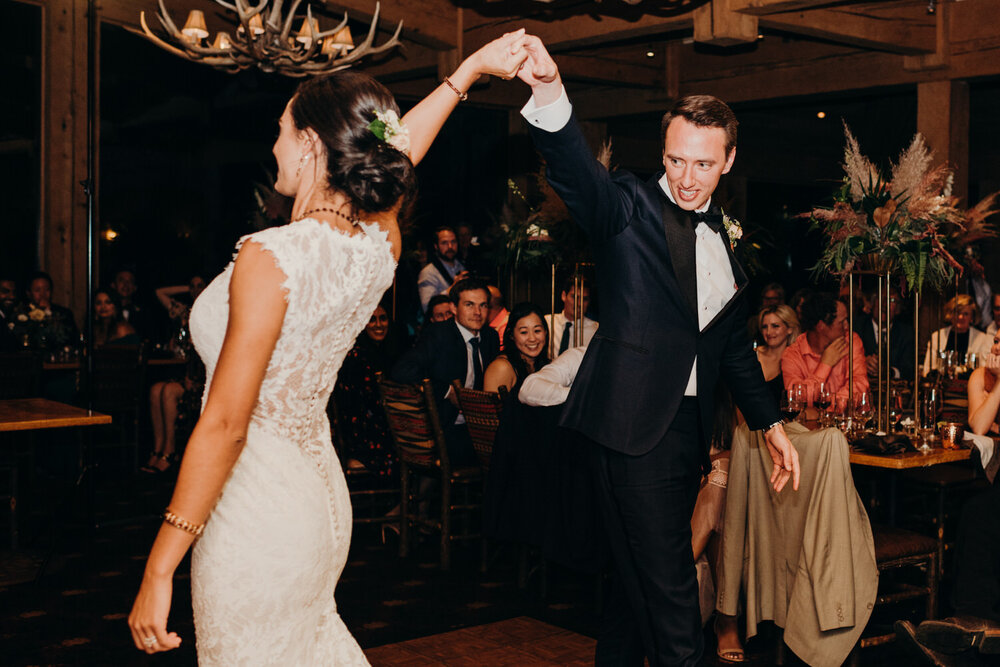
(333,284)
(265,570)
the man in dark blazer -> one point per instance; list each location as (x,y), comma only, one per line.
(901,339)
(674,322)
(457,349)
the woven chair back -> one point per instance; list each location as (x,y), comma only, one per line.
(482,416)
(413,422)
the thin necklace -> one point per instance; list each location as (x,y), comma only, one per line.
(327,209)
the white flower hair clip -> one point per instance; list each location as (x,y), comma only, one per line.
(389,128)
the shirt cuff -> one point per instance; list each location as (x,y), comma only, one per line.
(551,117)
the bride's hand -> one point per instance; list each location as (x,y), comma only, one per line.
(503,56)
(539,69)
(149,615)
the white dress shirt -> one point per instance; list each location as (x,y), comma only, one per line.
(557,324)
(470,374)
(716,284)
(550,385)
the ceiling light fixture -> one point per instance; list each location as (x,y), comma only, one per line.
(263,38)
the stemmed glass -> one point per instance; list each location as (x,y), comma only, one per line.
(895,408)
(801,396)
(789,407)
(823,400)
(863,409)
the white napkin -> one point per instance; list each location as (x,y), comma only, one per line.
(984,444)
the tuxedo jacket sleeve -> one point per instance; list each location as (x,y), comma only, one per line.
(635,371)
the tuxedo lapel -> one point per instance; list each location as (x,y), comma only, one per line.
(680,244)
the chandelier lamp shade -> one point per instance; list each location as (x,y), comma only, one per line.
(263,37)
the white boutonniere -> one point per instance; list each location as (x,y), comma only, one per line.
(389,128)
(733,228)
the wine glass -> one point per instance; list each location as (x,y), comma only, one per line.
(840,413)
(863,408)
(787,405)
(823,400)
(801,396)
(895,408)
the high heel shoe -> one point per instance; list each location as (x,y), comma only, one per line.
(389,528)
(154,469)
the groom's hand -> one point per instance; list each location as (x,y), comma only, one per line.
(785,458)
(540,72)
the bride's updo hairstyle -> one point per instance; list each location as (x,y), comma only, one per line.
(338,107)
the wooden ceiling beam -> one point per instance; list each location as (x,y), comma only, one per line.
(897,27)
(721,24)
(596,69)
(576,32)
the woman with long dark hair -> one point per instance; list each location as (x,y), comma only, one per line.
(526,349)
(259,486)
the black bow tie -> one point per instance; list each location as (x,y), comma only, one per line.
(711,217)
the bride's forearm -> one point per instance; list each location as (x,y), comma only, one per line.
(428,116)
(210,456)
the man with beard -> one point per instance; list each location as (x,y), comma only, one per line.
(444,270)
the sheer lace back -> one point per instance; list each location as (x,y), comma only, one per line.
(265,569)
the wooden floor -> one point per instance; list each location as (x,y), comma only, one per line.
(518,641)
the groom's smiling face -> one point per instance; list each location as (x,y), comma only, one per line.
(694,158)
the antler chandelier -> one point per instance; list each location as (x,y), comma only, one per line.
(263,38)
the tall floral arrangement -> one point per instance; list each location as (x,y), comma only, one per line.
(907,223)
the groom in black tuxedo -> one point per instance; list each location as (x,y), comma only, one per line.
(674,323)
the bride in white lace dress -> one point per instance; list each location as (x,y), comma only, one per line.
(260,486)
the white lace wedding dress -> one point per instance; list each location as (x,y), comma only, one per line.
(265,569)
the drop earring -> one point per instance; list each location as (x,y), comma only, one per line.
(302,163)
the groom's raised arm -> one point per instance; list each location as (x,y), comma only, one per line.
(599,203)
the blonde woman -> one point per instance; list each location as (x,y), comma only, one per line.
(778,326)
(959,335)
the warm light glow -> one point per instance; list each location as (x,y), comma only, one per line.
(650,54)
(257,25)
(222,41)
(195,28)
(343,39)
(304,35)
(109,234)
(821,114)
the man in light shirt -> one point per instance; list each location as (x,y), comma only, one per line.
(444,270)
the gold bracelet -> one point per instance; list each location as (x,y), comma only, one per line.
(461,96)
(185,525)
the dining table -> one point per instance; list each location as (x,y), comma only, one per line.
(33,414)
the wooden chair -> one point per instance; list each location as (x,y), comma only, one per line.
(898,549)
(20,374)
(117,388)
(369,503)
(420,445)
(482,416)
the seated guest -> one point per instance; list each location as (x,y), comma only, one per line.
(984,393)
(772,295)
(109,327)
(177,300)
(126,288)
(497,317)
(360,419)
(8,304)
(174,405)
(995,307)
(439,309)
(960,312)
(49,326)
(560,325)
(901,339)
(444,271)
(526,343)
(778,326)
(797,300)
(820,354)
(458,349)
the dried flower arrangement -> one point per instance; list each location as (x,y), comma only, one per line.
(907,224)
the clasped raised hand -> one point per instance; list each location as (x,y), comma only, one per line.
(502,57)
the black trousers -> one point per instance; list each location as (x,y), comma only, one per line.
(646,503)
(977,557)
